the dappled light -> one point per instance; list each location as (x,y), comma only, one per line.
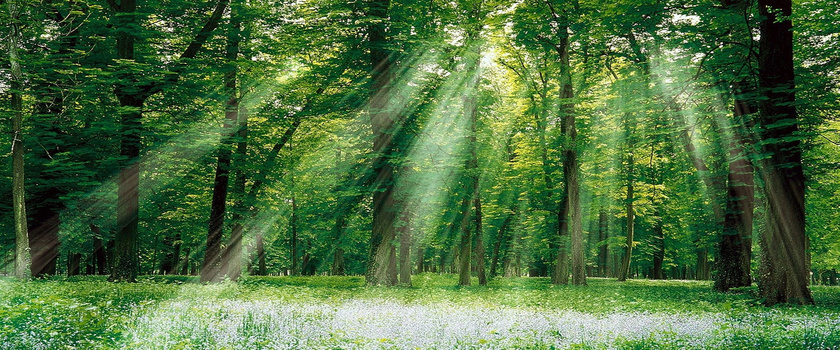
(391,174)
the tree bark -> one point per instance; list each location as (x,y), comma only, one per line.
(23,259)
(659,246)
(465,248)
(293,241)
(571,167)
(735,246)
(338,267)
(232,254)
(405,250)
(624,270)
(212,267)
(99,257)
(383,119)
(784,270)
(603,234)
(501,236)
(479,241)
(261,267)
(421,261)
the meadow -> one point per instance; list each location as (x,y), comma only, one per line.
(342,313)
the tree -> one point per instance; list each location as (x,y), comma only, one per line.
(381,267)
(624,270)
(212,267)
(132,94)
(784,272)
(571,167)
(23,260)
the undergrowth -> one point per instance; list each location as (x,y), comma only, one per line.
(176,312)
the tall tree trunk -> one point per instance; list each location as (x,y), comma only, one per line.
(74,263)
(560,272)
(659,246)
(23,259)
(702,271)
(382,254)
(624,269)
(479,241)
(232,255)
(99,257)
(556,218)
(420,256)
(735,246)
(213,267)
(261,267)
(405,250)
(571,167)
(169,262)
(784,270)
(603,234)
(465,248)
(338,267)
(501,236)
(126,260)
(293,242)
(471,203)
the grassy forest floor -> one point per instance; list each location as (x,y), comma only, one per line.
(341,313)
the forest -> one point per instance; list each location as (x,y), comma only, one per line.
(424,143)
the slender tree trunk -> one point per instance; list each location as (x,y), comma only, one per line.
(338,267)
(624,270)
(232,255)
(99,256)
(382,254)
(556,218)
(169,262)
(501,236)
(560,273)
(23,259)
(465,248)
(603,234)
(784,270)
(261,267)
(659,245)
(420,256)
(479,241)
(74,263)
(405,250)
(293,244)
(211,269)
(471,203)
(442,261)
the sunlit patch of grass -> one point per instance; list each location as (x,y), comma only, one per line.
(342,313)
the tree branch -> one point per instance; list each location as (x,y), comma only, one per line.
(205,32)
(190,52)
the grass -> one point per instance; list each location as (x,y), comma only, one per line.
(341,313)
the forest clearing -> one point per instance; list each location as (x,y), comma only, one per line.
(432,174)
(324,312)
